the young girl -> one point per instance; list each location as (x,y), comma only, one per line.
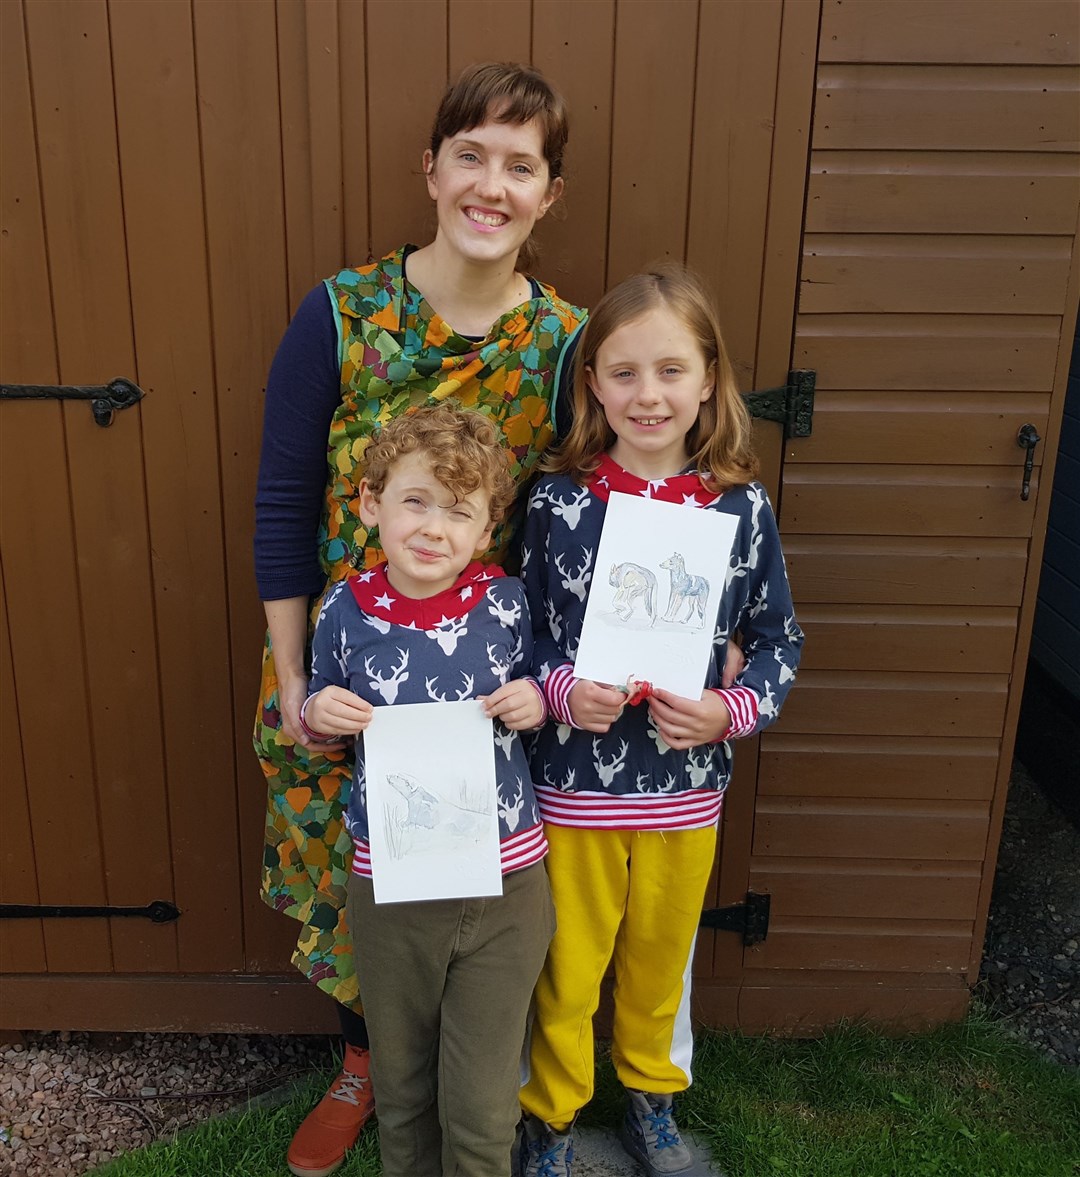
(631,796)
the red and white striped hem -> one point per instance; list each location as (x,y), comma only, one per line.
(653,811)
(516,852)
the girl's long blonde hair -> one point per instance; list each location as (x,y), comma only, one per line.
(718,445)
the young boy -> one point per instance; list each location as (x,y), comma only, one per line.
(446,984)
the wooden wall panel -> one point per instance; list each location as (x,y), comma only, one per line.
(908,946)
(935,425)
(245,239)
(399,120)
(651,135)
(872,273)
(39,569)
(938,638)
(941,192)
(153,51)
(487,30)
(22,941)
(1037,32)
(949,768)
(71,68)
(948,107)
(574,45)
(355,171)
(868,702)
(906,569)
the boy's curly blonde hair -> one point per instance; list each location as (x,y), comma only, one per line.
(464,448)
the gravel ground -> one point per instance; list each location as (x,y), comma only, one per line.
(70,1102)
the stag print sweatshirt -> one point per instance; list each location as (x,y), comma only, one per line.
(628,778)
(464,642)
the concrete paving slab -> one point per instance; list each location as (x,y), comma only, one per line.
(598,1153)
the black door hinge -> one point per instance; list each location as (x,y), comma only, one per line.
(791,404)
(160,911)
(751,918)
(104,399)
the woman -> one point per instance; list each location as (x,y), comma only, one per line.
(457,318)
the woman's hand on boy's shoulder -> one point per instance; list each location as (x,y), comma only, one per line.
(684,723)
(517,704)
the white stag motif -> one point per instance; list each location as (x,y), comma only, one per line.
(464,693)
(607,770)
(504,739)
(767,707)
(447,632)
(388,686)
(698,770)
(692,591)
(499,668)
(654,734)
(510,811)
(376,623)
(569,512)
(577,582)
(508,618)
(632,583)
(554,620)
(341,654)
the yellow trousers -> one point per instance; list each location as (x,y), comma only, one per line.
(634,896)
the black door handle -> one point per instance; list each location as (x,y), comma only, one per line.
(1027,439)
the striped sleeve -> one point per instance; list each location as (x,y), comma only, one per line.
(557,687)
(742,705)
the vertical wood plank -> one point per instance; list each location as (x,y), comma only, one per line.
(738,47)
(245,231)
(154,56)
(352,85)
(22,942)
(651,135)
(574,46)
(400,116)
(40,574)
(71,68)
(488,30)
(311,142)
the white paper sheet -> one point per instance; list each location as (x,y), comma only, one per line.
(433,819)
(655,593)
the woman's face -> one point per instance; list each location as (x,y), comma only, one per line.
(490,185)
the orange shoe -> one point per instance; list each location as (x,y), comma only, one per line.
(332,1126)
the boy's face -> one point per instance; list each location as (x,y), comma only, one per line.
(427,535)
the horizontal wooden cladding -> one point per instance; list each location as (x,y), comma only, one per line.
(906,500)
(915,946)
(925,830)
(849,569)
(1033,32)
(213,1004)
(947,107)
(941,192)
(967,428)
(865,703)
(908,637)
(949,273)
(868,888)
(998,353)
(947,769)
(806,1011)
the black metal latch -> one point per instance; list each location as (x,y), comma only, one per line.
(104,399)
(791,404)
(751,918)
(160,911)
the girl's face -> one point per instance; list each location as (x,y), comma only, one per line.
(651,378)
(490,185)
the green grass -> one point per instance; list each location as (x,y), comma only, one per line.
(964,1101)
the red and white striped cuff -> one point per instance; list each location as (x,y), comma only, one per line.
(557,687)
(742,705)
(689,810)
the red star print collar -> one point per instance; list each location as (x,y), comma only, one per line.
(378,598)
(679,488)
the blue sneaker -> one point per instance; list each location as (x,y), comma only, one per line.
(650,1135)
(545,1152)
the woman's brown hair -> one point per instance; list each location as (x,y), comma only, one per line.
(505,92)
(719,444)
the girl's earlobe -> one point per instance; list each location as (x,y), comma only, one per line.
(590,384)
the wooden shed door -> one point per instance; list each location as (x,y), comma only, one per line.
(936,305)
(176,176)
